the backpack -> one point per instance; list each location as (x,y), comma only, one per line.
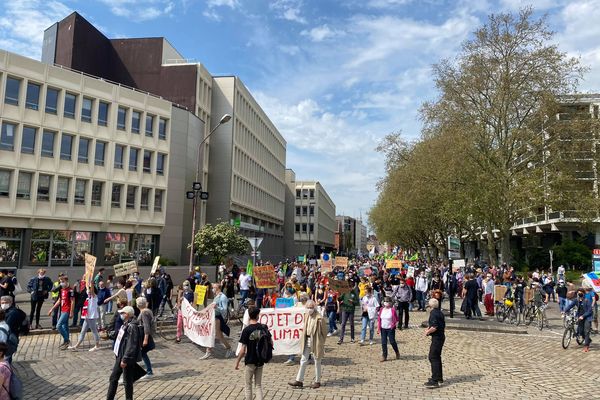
(12,341)
(264,345)
(22,321)
(16,386)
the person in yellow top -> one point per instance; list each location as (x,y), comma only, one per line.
(362,287)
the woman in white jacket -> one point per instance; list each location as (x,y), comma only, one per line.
(369,305)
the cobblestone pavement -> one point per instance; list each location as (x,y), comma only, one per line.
(477,365)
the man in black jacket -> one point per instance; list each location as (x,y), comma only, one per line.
(436,327)
(127,350)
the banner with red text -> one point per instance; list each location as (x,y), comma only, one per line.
(286,326)
(198,326)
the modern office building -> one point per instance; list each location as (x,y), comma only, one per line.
(247,169)
(84,167)
(309,219)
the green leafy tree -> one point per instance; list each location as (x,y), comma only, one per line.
(573,253)
(219,241)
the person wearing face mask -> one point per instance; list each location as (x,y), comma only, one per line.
(312,341)
(103,294)
(331,307)
(290,292)
(120,293)
(184,292)
(402,294)
(66,303)
(39,286)
(386,326)
(561,291)
(369,305)
(421,289)
(220,303)
(320,298)
(584,316)
(89,314)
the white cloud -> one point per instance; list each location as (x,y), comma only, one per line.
(387,3)
(289,10)
(23,23)
(222,3)
(292,50)
(320,33)
(140,10)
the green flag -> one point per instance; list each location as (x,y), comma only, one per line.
(249,267)
(415,257)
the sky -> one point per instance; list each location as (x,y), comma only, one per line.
(334,76)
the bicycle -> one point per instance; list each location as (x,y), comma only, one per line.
(510,311)
(236,313)
(540,316)
(500,311)
(167,328)
(571,331)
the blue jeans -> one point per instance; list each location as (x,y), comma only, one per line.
(332,319)
(63,326)
(371,324)
(421,299)
(388,334)
(147,362)
(562,304)
(243,296)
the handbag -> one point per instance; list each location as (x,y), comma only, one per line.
(150,346)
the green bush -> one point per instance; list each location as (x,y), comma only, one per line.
(572,253)
(167,262)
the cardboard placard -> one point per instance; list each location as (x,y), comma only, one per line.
(341,262)
(393,264)
(155,265)
(528,296)
(125,268)
(265,276)
(90,265)
(200,292)
(284,302)
(499,292)
(339,286)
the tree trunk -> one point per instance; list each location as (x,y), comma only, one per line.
(506,253)
(491,247)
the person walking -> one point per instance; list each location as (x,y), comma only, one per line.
(584,317)
(183,292)
(421,285)
(89,315)
(249,338)
(369,315)
(451,289)
(488,299)
(39,286)
(220,303)
(347,304)
(471,297)
(66,305)
(146,319)
(127,350)
(332,309)
(386,326)
(402,294)
(435,329)
(312,341)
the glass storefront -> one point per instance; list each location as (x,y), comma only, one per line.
(123,247)
(10,247)
(59,248)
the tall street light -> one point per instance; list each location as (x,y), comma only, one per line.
(196,191)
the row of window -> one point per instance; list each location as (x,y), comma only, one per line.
(63,186)
(305,193)
(29,137)
(304,210)
(304,227)
(89,107)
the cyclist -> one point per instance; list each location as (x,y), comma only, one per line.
(518,290)
(584,316)
(540,296)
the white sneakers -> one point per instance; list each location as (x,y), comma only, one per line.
(371,342)
(206,356)
(94,348)
(289,362)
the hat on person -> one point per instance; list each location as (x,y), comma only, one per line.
(127,310)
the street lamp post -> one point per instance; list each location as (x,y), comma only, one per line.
(312,203)
(196,191)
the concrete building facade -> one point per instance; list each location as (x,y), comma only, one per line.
(345,235)
(310,217)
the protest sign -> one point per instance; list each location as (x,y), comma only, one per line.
(155,265)
(125,268)
(286,326)
(90,265)
(341,262)
(200,292)
(265,276)
(326,267)
(339,286)
(457,264)
(198,326)
(393,264)
(410,272)
(284,302)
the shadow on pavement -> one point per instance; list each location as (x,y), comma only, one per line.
(175,375)
(462,379)
(337,361)
(36,387)
(408,357)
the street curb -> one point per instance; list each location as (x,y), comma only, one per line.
(453,327)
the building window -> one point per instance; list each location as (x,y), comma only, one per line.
(312,193)
(97,193)
(149,125)
(48,144)
(297,210)
(135,122)
(32,98)
(52,101)
(312,228)
(145,198)
(86,109)
(10,246)
(24,185)
(312,210)
(162,128)
(160,163)
(119,151)
(13,86)
(62,189)
(66,147)
(80,185)
(7,137)
(147,161)
(298,193)
(303,227)
(43,191)
(130,202)
(121,118)
(304,210)
(99,155)
(158,199)
(305,193)
(84,149)
(297,228)
(103,113)
(70,101)
(133,159)
(28,140)
(115,200)
(4,183)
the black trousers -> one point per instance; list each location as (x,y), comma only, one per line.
(435,357)
(451,299)
(113,381)
(36,308)
(403,311)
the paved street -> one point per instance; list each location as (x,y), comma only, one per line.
(482,365)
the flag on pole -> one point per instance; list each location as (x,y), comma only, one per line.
(249,267)
(415,257)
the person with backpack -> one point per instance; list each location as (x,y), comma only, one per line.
(127,351)
(8,337)
(39,286)
(66,304)
(256,350)
(16,320)
(312,341)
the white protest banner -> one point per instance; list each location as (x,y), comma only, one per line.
(125,268)
(198,326)
(286,326)
(155,265)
